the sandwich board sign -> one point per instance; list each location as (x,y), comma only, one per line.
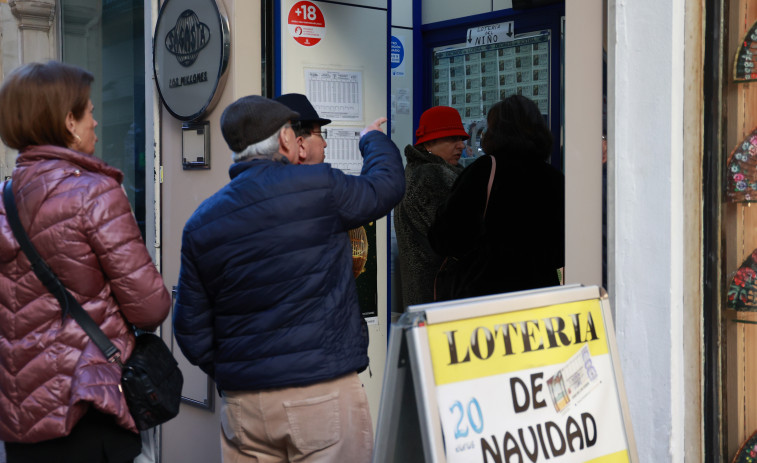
(530,376)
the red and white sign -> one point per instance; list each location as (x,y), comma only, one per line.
(306,23)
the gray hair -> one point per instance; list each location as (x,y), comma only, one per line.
(266,149)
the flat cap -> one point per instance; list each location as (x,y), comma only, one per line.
(252,119)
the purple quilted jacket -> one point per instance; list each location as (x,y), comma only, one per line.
(79,219)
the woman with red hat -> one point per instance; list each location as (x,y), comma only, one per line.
(432,167)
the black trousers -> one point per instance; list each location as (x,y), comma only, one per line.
(96,438)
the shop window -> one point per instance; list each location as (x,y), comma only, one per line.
(106,37)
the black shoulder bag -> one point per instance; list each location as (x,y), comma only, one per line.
(150,379)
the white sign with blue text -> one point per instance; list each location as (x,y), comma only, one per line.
(397,56)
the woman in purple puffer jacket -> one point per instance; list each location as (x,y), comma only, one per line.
(60,400)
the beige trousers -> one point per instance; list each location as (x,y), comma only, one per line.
(324,422)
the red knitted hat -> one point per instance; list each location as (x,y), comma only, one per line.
(439,122)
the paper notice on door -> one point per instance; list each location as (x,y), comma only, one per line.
(343,150)
(336,94)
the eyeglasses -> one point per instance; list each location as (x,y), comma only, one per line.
(322,133)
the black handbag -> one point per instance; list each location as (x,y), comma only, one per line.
(455,274)
(150,379)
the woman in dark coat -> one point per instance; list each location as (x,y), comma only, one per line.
(520,243)
(432,167)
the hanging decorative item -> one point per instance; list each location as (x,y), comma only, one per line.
(742,293)
(748,451)
(741,174)
(359,240)
(744,69)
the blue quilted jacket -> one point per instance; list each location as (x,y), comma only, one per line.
(266,296)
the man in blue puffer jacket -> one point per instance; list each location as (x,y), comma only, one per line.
(267,304)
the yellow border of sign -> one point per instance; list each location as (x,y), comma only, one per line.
(617,457)
(512,341)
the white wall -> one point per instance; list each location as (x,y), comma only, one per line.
(9,59)
(402,13)
(646,169)
(442,10)
(17,48)
(194,436)
(583,142)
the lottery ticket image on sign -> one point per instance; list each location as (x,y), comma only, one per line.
(574,380)
(560,397)
(530,384)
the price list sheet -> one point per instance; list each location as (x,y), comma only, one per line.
(343,150)
(336,94)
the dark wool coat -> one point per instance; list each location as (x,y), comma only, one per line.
(77,215)
(521,244)
(266,295)
(428,180)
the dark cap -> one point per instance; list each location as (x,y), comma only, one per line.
(298,102)
(252,119)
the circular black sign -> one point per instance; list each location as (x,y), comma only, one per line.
(190,56)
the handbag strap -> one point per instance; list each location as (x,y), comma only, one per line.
(486,206)
(491,181)
(67,301)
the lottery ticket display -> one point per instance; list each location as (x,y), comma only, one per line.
(472,79)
